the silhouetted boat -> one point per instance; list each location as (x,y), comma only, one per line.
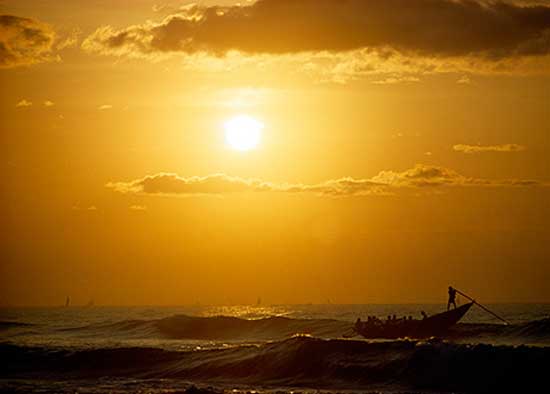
(431,326)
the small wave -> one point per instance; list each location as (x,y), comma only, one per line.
(533,329)
(4,325)
(225,327)
(125,328)
(306,362)
(218,328)
(534,332)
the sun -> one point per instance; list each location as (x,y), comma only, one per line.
(243,132)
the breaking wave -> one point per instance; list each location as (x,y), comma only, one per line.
(305,362)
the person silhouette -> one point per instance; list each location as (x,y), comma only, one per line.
(452,298)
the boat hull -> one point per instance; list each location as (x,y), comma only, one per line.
(435,325)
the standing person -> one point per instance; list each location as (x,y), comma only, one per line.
(452,298)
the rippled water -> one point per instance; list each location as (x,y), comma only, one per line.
(264,347)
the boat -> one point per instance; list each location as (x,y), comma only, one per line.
(435,325)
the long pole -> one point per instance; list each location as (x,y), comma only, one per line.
(481,306)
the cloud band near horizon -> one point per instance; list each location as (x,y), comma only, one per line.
(386,182)
(504,148)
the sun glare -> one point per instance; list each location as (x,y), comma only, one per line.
(243,132)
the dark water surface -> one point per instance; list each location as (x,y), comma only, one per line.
(284,347)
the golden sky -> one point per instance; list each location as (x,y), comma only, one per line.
(299,150)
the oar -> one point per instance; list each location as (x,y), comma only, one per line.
(481,306)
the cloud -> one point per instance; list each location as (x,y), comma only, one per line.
(48,103)
(24,103)
(105,107)
(138,208)
(465,80)
(389,64)
(24,41)
(69,41)
(422,176)
(216,184)
(386,182)
(433,28)
(469,149)
(394,80)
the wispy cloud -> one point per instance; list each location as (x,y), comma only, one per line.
(105,107)
(470,149)
(69,41)
(421,176)
(24,103)
(386,182)
(48,103)
(396,79)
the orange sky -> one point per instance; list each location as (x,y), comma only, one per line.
(401,152)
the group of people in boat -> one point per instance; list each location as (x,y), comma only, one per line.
(393,321)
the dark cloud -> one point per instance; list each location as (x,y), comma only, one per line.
(440,28)
(386,182)
(24,41)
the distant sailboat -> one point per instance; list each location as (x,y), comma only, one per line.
(67,301)
(259,301)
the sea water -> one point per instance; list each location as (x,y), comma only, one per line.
(266,348)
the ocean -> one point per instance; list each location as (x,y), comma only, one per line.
(276,348)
